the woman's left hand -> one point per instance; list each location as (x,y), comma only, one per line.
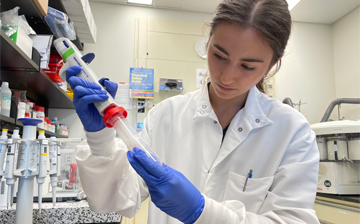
(169,189)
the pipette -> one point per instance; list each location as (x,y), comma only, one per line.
(114,116)
(54,151)
(42,165)
(11,160)
(3,143)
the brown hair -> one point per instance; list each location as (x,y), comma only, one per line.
(270,17)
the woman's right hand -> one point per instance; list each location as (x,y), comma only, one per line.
(85,95)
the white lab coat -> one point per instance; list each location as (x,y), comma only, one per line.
(271,138)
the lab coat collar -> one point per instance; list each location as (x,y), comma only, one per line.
(252,116)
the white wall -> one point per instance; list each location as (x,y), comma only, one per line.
(346,44)
(307,71)
(114,49)
(115,35)
(308,65)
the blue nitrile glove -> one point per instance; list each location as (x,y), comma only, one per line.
(169,189)
(111,87)
(85,94)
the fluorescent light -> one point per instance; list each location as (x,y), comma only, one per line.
(143,2)
(292,3)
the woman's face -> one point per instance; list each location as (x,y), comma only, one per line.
(237,60)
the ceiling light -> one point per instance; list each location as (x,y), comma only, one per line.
(143,2)
(292,3)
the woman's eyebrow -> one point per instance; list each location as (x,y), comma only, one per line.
(243,59)
(251,60)
(221,49)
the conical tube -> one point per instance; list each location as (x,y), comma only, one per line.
(116,118)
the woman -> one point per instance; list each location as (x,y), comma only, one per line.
(231,154)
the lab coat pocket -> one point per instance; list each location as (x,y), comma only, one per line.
(255,192)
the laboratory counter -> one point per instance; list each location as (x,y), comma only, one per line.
(64,212)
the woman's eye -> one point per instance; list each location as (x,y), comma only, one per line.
(247,67)
(218,56)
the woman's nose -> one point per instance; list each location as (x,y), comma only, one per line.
(227,77)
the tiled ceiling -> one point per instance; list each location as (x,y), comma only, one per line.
(312,11)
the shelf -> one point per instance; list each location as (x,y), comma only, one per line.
(13,58)
(34,18)
(22,73)
(10,124)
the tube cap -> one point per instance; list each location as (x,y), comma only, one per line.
(110,112)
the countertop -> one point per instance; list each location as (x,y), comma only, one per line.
(64,212)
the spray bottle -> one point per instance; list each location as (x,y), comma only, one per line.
(114,116)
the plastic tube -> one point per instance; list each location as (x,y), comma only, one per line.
(116,117)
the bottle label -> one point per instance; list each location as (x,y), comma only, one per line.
(5,103)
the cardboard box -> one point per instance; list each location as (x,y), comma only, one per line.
(42,6)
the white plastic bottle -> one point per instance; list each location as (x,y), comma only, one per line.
(21,110)
(5,99)
(41,115)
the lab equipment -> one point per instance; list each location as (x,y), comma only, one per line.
(354,148)
(3,192)
(337,148)
(322,145)
(249,175)
(114,116)
(26,170)
(339,167)
(174,194)
(68,185)
(3,187)
(42,165)
(11,160)
(5,99)
(3,141)
(54,160)
(87,112)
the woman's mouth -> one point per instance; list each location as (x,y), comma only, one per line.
(224,89)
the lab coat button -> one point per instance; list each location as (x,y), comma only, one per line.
(257,120)
(204,106)
(215,122)
(201,112)
(240,129)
